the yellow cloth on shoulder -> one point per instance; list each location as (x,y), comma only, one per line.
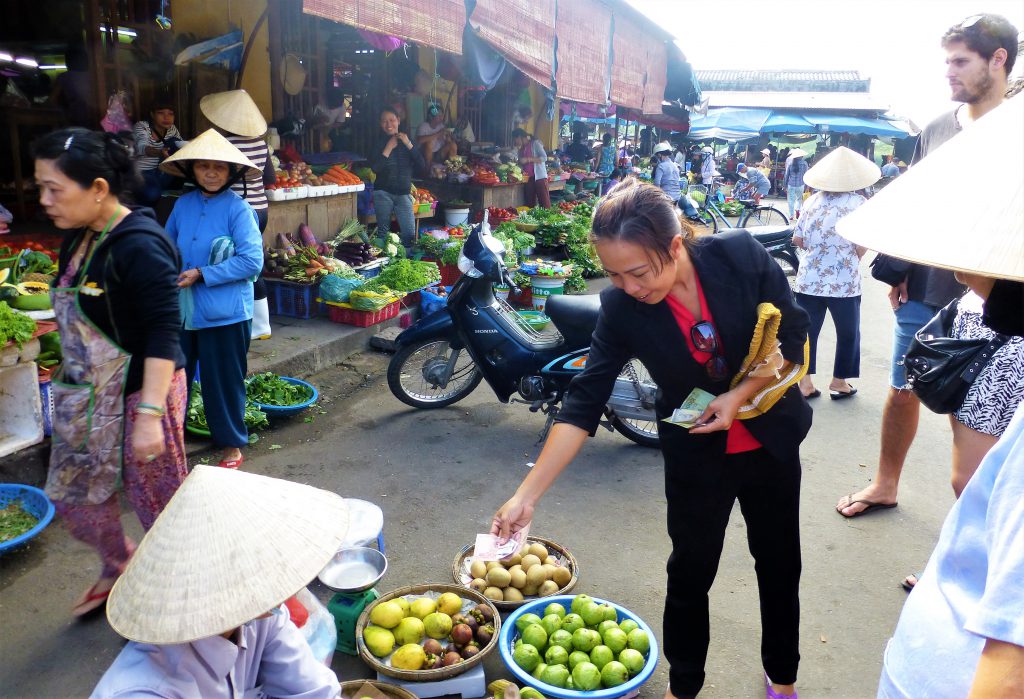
(765,359)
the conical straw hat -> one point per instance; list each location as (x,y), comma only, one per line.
(235,112)
(842,170)
(229,546)
(987,239)
(208,145)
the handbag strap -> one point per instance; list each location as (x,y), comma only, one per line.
(971,372)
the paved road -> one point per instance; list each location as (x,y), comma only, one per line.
(440,475)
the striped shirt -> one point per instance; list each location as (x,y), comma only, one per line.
(255,149)
(144,138)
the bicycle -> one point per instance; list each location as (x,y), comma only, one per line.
(753,215)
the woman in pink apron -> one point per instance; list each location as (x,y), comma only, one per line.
(119,397)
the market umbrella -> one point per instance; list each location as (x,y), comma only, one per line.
(980,239)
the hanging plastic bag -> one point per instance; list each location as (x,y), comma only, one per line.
(319,630)
(118,116)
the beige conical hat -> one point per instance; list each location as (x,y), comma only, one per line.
(842,170)
(229,546)
(208,145)
(235,112)
(986,239)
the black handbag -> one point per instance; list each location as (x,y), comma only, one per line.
(940,369)
(890,270)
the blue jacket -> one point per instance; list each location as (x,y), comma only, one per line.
(225,294)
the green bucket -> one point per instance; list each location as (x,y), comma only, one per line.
(544,287)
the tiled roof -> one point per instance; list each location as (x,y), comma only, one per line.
(783,80)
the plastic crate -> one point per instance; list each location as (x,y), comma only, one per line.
(349,316)
(292,299)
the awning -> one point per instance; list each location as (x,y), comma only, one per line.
(629,63)
(583,29)
(434,23)
(787,123)
(728,124)
(523,31)
(856,125)
(657,77)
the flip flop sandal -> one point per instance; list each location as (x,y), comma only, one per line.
(231,463)
(871,506)
(842,395)
(93,601)
(907,585)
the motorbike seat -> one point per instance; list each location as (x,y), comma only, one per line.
(574,316)
(766,234)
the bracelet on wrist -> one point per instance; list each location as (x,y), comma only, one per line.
(149,409)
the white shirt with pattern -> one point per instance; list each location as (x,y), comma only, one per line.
(829,265)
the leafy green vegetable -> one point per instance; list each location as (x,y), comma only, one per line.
(15,521)
(15,326)
(271,389)
(409,275)
(255,419)
(452,251)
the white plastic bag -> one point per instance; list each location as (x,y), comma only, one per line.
(319,630)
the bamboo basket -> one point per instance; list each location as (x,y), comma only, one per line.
(391,690)
(558,549)
(441,673)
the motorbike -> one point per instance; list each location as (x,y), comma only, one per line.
(478,337)
(778,241)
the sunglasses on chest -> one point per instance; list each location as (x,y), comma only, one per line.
(705,339)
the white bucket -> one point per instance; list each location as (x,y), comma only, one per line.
(501,291)
(544,287)
(456,217)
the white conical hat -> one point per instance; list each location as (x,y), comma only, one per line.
(229,546)
(208,145)
(235,112)
(986,239)
(842,170)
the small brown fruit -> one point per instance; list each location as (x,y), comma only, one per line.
(548,587)
(529,561)
(494,593)
(499,577)
(513,594)
(551,561)
(562,576)
(461,634)
(478,569)
(518,579)
(530,590)
(451,658)
(539,550)
(478,584)
(536,575)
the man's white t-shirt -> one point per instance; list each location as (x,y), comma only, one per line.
(425,129)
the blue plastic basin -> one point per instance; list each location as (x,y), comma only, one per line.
(509,634)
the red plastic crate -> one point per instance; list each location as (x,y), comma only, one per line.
(362,319)
(292,299)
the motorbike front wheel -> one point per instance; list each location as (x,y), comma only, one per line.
(642,432)
(426,375)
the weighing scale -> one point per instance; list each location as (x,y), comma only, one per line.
(354,571)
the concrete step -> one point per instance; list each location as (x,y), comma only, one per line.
(297,348)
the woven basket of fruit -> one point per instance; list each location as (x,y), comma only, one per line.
(424,633)
(558,575)
(351,688)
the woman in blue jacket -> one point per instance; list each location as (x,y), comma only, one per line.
(222,252)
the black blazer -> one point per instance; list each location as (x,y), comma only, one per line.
(736,274)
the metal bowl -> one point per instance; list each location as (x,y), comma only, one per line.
(354,569)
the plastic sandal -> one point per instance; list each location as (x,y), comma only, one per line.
(231,463)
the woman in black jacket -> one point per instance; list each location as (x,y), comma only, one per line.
(687,308)
(119,398)
(393,161)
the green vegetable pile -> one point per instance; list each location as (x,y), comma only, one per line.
(16,327)
(271,389)
(409,275)
(15,521)
(731,208)
(255,419)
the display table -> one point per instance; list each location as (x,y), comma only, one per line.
(324,215)
(479,196)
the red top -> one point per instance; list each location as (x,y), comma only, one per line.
(738,439)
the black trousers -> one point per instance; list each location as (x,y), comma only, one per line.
(846,317)
(701,491)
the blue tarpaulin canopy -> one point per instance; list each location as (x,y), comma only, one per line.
(728,124)
(860,125)
(738,124)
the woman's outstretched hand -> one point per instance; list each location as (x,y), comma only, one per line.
(514,515)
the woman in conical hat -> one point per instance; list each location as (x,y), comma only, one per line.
(222,252)
(235,115)
(828,280)
(200,601)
